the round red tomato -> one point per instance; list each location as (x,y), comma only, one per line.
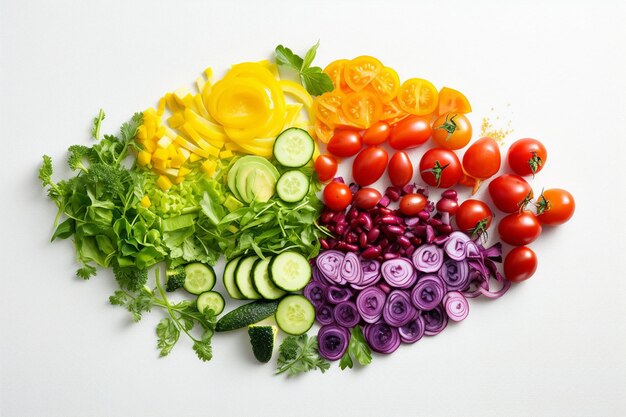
(519,229)
(400,169)
(508,192)
(337,196)
(520,264)
(452,131)
(440,168)
(527,156)
(367,198)
(411,132)
(555,206)
(376,134)
(482,159)
(326,167)
(412,204)
(345,143)
(369,165)
(473,217)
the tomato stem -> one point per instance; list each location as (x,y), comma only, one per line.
(449,125)
(480,229)
(543,204)
(437,170)
(522,204)
(535,162)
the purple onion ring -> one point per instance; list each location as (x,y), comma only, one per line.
(457,307)
(329,264)
(428,258)
(315,292)
(435,320)
(332,341)
(455,246)
(398,309)
(351,269)
(382,338)
(346,314)
(413,330)
(428,292)
(399,273)
(370,303)
(324,314)
(455,274)
(336,295)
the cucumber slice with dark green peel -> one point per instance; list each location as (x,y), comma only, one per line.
(199,278)
(262,339)
(292,186)
(243,278)
(262,282)
(290,271)
(295,315)
(246,315)
(212,300)
(293,148)
(229,279)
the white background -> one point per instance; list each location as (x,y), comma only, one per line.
(553,346)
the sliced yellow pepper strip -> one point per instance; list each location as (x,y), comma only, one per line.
(296,90)
(214,133)
(191,147)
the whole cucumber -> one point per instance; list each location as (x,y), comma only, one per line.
(246,315)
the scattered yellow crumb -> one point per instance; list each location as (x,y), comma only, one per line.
(499,132)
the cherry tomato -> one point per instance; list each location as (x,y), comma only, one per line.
(360,71)
(345,143)
(328,106)
(386,84)
(369,165)
(337,196)
(482,159)
(440,168)
(411,204)
(418,96)
(452,131)
(452,101)
(527,156)
(367,198)
(362,108)
(410,133)
(400,169)
(376,133)
(509,191)
(323,131)
(473,217)
(519,229)
(326,167)
(335,71)
(555,206)
(392,111)
(520,264)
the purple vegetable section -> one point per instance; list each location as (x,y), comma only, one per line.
(398,277)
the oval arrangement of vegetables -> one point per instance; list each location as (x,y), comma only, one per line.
(246,168)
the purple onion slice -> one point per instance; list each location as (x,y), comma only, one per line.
(336,295)
(455,246)
(398,309)
(329,264)
(428,258)
(413,330)
(381,337)
(428,292)
(324,314)
(435,320)
(370,303)
(346,314)
(316,293)
(457,307)
(371,272)
(399,273)
(455,274)
(351,269)
(332,341)
(472,250)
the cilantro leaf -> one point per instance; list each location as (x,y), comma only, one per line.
(313,79)
(86,272)
(168,335)
(298,354)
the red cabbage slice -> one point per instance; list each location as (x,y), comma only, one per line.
(346,314)
(435,320)
(428,258)
(329,264)
(332,341)
(413,330)
(428,292)
(399,273)
(382,337)
(457,307)
(370,303)
(398,309)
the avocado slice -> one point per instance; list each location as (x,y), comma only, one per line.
(233,172)
(262,339)
(254,180)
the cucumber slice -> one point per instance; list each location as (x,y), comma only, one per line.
(292,186)
(290,271)
(246,315)
(212,300)
(294,148)
(243,278)
(295,315)
(199,278)
(229,279)
(262,282)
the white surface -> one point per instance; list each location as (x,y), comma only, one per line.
(552,346)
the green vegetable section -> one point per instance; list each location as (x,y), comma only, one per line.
(262,339)
(298,354)
(246,315)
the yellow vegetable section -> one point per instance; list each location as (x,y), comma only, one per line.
(240,114)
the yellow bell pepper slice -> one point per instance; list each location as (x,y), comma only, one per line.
(210,131)
(242,104)
(145,202)
(292,113)
(296,90)
(191,147)
(143,158)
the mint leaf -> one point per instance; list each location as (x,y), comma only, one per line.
(285,57)
(315,81)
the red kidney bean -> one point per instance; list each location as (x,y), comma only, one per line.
(351,237)
(445,229)
(403,241)
(352,214)
(324,244)
(363,240)
(373,234)
(347,247)
(451,194)
(393,193)
(395,230)
(340,228)
(327,216)
(384,243)
(339,217)
(435,222)
(390,219)
(385,210)
(416,241)
(365,221)
(371,252)
(424,215)
(409,251)
(390,255)
(385,288)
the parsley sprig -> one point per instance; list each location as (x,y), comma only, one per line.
(298,354)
